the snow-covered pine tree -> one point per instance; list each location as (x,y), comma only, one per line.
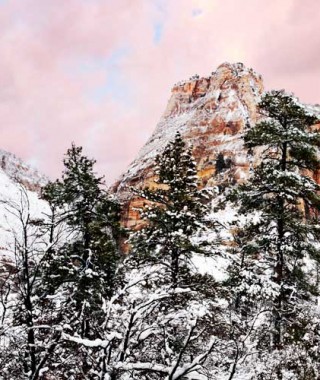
(174,213)
(80,189)
(93,218)
(168,321)
(280,242)
(85,268)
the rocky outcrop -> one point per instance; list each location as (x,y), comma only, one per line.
(211,113)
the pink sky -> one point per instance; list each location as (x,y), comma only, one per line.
(99,72)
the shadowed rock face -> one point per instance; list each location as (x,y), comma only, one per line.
(211,114)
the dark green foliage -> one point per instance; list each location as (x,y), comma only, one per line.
(88,264)
(277,237)
(80,190)
(174,213)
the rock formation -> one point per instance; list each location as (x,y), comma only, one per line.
(211,113)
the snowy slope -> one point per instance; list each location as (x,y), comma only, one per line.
(14,197)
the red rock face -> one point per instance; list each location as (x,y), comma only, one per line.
(211,114)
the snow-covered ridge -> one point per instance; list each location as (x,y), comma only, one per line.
(20,172)
(14,197)
(19,189)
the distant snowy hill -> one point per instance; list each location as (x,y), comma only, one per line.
(20,172)
(19,190)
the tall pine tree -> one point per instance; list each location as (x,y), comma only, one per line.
(174,213)
(87,264)
(159,325)
(278,239)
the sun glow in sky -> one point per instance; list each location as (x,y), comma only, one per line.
(99,72)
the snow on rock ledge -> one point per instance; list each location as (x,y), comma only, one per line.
(211,114)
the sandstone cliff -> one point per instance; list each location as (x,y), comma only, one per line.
(211,114)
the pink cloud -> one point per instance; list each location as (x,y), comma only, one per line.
(62,78)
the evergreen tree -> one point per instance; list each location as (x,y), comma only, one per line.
(80,190)
(160,324)
(87,264)
(168,321)
(174,213)
(83,272)
(278,239)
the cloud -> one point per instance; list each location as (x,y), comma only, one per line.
(99,72)
(291,58)
(196,12)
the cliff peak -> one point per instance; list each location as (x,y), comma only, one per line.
(210,113)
